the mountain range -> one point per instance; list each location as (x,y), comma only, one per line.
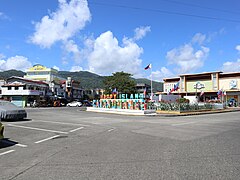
(87,79)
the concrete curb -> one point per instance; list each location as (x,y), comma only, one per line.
(200,113)
(122,111)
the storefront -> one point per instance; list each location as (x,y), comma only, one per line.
(230,84)
(207,87)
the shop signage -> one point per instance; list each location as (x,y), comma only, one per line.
(122,96)
(233,84)
(199,85)
(37,68)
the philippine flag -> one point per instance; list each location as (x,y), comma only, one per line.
(145,91)
(114,91)
(148,67)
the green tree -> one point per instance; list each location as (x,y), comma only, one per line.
(121,81)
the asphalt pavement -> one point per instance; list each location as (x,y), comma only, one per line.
(67,143)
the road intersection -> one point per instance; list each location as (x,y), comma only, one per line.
(65,143)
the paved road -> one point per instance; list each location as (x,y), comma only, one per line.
(66,143)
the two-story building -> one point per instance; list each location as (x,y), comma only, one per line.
(20,90)
(206,86)
(60,87)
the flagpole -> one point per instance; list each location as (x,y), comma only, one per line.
(151,84)
(149,66)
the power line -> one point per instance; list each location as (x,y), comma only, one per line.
(199,6)
(165,12)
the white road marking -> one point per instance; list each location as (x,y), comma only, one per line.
(56,122)
(21,145)
(181,124)
(38,129)
(6,152)
(37,142)
(76,129)
(111,129)
(91,122)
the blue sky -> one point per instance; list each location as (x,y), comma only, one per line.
(106,36)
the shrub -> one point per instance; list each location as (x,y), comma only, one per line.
(182,100)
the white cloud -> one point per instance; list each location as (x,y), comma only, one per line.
(72,48)
(163,73)
(72,51)
(238,48)
(3,16)
(231,66)
(2,56)
(198,38)
(213,35)
(108,56)
(17,62)
(76,69)
(188,58)
(140,32)
(63,24)
(56,67)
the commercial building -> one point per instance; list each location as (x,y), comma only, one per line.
(59,86)
(48,75)
(206,86)
(93,93)
(2,82)
(72,89)
(143,88)
(20,90)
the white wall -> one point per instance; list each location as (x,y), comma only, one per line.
(192,99)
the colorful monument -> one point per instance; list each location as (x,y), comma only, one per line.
(121,101)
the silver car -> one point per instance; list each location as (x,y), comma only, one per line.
(9,110)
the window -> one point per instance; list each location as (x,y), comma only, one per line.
(9,88)
(16,88)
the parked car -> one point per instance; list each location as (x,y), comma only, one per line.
(9,111)
(1,130)
(74,104)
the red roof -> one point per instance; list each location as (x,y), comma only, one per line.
(28,80)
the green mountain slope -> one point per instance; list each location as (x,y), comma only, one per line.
(6,74)
(157,86)
(88,80)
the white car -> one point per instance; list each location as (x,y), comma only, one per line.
(74,104)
